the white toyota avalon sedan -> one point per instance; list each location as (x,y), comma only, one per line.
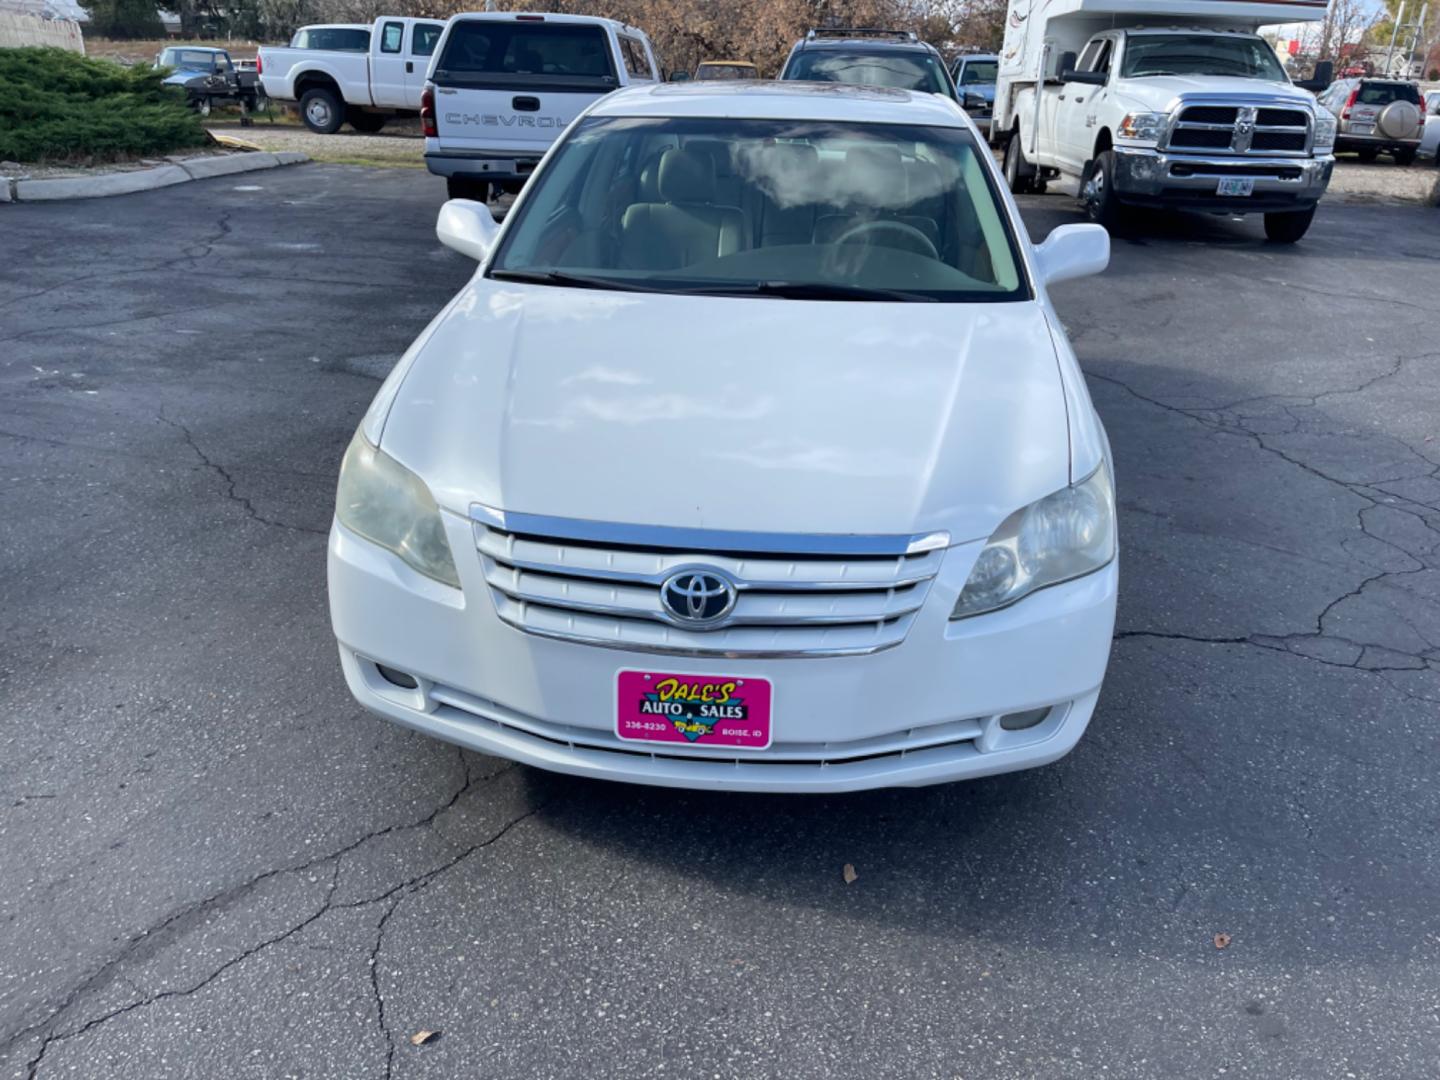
(752,457)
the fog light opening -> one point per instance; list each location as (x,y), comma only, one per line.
(1020,721)
(402,680)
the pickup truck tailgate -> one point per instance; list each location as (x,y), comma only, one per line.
(512,86)
(525,122)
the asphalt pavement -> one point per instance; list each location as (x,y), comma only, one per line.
(212,864)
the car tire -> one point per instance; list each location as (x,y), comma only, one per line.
(369,123)
(1019,174)
(321,112)
(464,187)
(1368,154)
(202,106)
(1288,227)
(1405,156)
(1097,193)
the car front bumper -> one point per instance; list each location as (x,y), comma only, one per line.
(1148,177)
(924,712)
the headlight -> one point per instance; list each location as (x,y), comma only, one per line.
(1144,126)
(388,504)
(1325,125)
(1063,536)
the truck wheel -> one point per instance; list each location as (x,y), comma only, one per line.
(1019,173)
(463,187)
(1405,156)
(1097,194)
(1288,227)
(369,123)
(321,112)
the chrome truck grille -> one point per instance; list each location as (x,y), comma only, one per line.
(1241,129)
(647,588)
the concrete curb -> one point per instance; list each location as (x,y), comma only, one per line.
(124,183)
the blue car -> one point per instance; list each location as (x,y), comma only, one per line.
(975,77)
(209,76)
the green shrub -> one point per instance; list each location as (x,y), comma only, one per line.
(57,106)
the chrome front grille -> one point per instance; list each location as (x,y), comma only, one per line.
(602,585)
(1241,129)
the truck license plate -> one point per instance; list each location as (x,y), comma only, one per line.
(1236,185)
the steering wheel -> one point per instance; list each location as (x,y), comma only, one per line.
(910,238)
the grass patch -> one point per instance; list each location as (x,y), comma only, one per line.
(58,107)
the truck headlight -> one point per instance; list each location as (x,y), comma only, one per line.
(1063,536)
(1325,125)
(1144,126)
(389,505)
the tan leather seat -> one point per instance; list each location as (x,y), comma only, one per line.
(686,226)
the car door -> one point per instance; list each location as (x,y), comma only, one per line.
(1076,109)
(387,66)
(424,36)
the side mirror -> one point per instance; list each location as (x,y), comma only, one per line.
(1073,251)
(468,227)
(1065,64)
(1089,78)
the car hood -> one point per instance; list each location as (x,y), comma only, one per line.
(1159,92)
(980,90)
(735,413)
(184,75)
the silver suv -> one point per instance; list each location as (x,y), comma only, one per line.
(1376,115)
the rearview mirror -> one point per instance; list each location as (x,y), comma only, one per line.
(468,227)
(1073,251)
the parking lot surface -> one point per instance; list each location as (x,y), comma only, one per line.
(214,865)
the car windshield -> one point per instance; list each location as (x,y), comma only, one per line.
(1193,54)
(190,59)
(725,71)
(1384,93)
(908,70)
(979,72)
(797,209)
(333,38)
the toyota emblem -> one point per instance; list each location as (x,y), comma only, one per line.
(697,598)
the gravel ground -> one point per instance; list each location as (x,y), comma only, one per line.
(346,147)
(1385,180)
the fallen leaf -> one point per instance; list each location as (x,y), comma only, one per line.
(420,1038)
(1222,940)
(849,874)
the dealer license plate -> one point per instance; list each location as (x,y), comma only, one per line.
(1236,185)
(693,710)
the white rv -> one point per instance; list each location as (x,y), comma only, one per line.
(1162,103)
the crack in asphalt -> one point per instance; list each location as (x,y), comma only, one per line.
(178,923)
(230,483)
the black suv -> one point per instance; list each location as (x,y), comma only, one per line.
(895,58)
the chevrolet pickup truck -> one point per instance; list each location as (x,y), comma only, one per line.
(1176,104)
(505,84)
(360,74)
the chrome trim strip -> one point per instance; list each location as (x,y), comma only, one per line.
(749,585)
(709,654)
(680,538)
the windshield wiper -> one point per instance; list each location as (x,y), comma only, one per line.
(810,290)
(575,281)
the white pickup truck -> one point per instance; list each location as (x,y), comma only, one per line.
(363,74)
(505,84)
(1163,103)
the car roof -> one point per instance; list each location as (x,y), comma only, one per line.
(965,59)
(533,16)
(335,26)
(726,63)
(193,48)
(874,44)
(790,100)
